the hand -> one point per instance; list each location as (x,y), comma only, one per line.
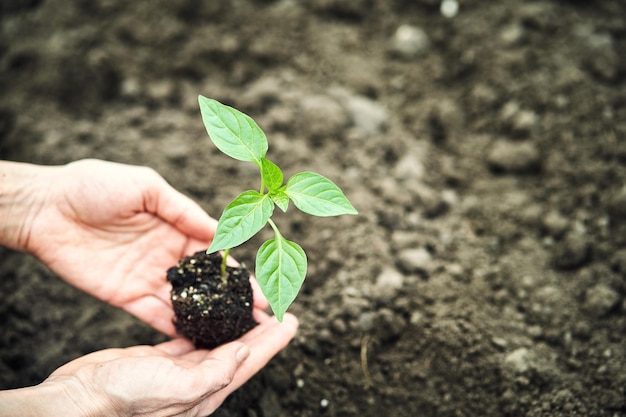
(170,379)
(112,230)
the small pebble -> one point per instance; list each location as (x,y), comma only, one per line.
(519,360)
(521,121)
(161,91)
(410,167)
(600,300)
(513,157)
(367,320)
(369,116)
(409,42)
(388,283)
(572,252)
(555,223)
(512,35)
(415,260)
(499,342)
(389,325)
(449,8)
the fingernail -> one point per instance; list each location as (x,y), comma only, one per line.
(242,354)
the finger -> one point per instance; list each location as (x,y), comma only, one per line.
(180,211)
(259,299)
(218,371)
(265,341)
(259,315)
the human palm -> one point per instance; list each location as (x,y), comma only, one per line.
(157,381)
(173,378)
(112,230)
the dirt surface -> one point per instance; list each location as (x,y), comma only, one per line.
(210,310)
(486,153)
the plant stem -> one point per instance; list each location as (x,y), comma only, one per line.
(262,190)
(223,266)
(274,227)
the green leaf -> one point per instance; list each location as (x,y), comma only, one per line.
(233,132)
(281,199)
(242,219)
(280,270)
(272,175)
(317,195)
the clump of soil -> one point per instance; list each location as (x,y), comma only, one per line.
(210,311)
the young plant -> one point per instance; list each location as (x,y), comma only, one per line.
(281,264)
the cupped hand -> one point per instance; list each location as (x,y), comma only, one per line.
(171,379)
(113,230)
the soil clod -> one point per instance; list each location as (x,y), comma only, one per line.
(210,311)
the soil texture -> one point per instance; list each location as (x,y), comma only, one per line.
(484,148)
(210,309)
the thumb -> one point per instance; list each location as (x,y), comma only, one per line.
(219,366)
(180,211)
(218,371)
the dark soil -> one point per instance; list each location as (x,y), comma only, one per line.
(486,154)
(210,311)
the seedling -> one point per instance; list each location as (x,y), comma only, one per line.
(281,264)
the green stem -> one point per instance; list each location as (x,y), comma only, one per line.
(223,267)
(274,227)
(262,190)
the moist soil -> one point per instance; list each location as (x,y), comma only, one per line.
(210,309)
(486,272)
